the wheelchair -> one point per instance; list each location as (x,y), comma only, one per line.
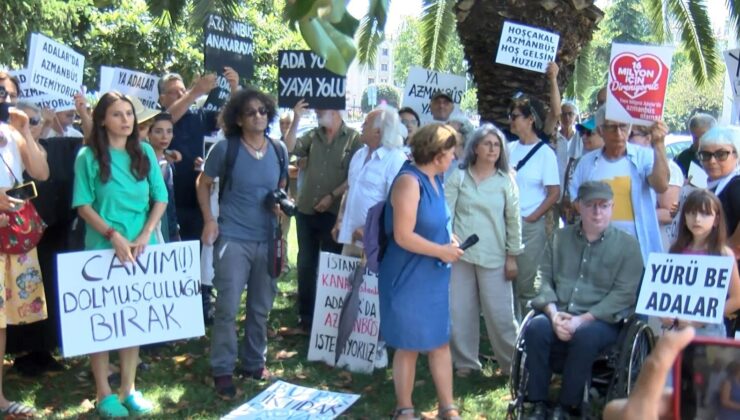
(613,374)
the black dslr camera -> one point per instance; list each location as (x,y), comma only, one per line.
(280,197)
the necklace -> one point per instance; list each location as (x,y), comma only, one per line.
(258,153)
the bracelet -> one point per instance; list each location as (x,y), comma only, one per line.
(109,233)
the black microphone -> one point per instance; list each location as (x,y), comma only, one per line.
(472,240)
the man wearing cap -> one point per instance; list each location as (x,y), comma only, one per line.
(588,276)
(441,106)
(590,139)
(635,175)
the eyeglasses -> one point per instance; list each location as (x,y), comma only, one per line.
(639,134)
(586,133)
(597,205)
(34,121)
(409,122)
(612,128)
(719,155)
(569,114)
(252,112)
(513,116)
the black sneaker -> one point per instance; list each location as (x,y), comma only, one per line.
(224,386)
(537,412)
(261,374)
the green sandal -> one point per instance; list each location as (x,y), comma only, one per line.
(111,407)
(404,411)
(137,404)
(443,413)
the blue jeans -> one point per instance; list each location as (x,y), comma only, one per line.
(546,352)
(237,264)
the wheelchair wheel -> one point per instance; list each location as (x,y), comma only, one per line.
(518,377)
(636,341)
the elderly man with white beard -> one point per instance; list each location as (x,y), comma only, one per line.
(329,149)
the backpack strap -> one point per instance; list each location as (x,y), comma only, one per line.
(232,150)
(529,155)
(282,158)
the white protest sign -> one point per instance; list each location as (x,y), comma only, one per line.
(732,60)
(526,47)
(41,99)
(130,82)
(638,79)
(697,176)
(55,68)
(333,283)
(105,304)
(287,401)
(687,287)
(421,84)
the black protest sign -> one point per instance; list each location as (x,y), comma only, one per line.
(302,75)
(228,43)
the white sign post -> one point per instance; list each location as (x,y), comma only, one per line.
(130,82)
(105,304)
(287,401)
(526,47)
(421,84)
(55,68)
(333,283)
(41,99)
(687,287)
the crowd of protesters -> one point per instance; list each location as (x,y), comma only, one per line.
(567,207)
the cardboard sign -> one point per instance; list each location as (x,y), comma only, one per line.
(526,47)
(287,401)
(130,82)
(55,68)
(687,287)
(302,75)
(638,78)
(421,85)
(332,285)
(697,176)
(40,99)
(106,305)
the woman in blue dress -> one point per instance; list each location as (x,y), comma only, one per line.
(414,273)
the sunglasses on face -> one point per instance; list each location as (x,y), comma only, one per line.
(513,116)
(34,121)
(252,112)
(719,155)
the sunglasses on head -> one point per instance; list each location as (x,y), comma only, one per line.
(252,112)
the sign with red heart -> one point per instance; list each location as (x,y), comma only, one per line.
(638,78)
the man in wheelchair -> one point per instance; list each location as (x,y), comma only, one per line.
(588,280)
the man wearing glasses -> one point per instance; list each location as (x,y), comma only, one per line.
(329,149)
(634,174)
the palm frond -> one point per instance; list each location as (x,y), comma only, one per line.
(733,6)
(202,8)
(697,37)
(437,28)
(372,31)
(583,79)
(657,16)
(167,12)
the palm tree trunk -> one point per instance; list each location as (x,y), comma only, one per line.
(479,24)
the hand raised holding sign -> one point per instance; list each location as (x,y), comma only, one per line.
(552,71)
(658,131)
(232,77)
(204,84)
(299,109)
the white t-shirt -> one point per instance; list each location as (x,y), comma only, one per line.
(618,175)
(540,171)
(668,232)
(70,131)
(12,157)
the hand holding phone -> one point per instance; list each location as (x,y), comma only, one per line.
(23,192)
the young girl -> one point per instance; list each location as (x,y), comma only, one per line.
(160,137)
(120,194)
(701,231)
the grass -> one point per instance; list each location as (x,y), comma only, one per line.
(179,380)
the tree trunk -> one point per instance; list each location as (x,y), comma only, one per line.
(479,25)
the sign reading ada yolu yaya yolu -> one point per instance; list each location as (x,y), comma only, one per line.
(526,47)
(302,75)
(687,287)
(105,304)
(638,79)
(361,351)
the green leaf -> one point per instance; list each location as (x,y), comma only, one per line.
(168,12)
(298,10)
(437,28)
(348,25)
(733,6)
(202,8)
(371,32)
(696,37)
